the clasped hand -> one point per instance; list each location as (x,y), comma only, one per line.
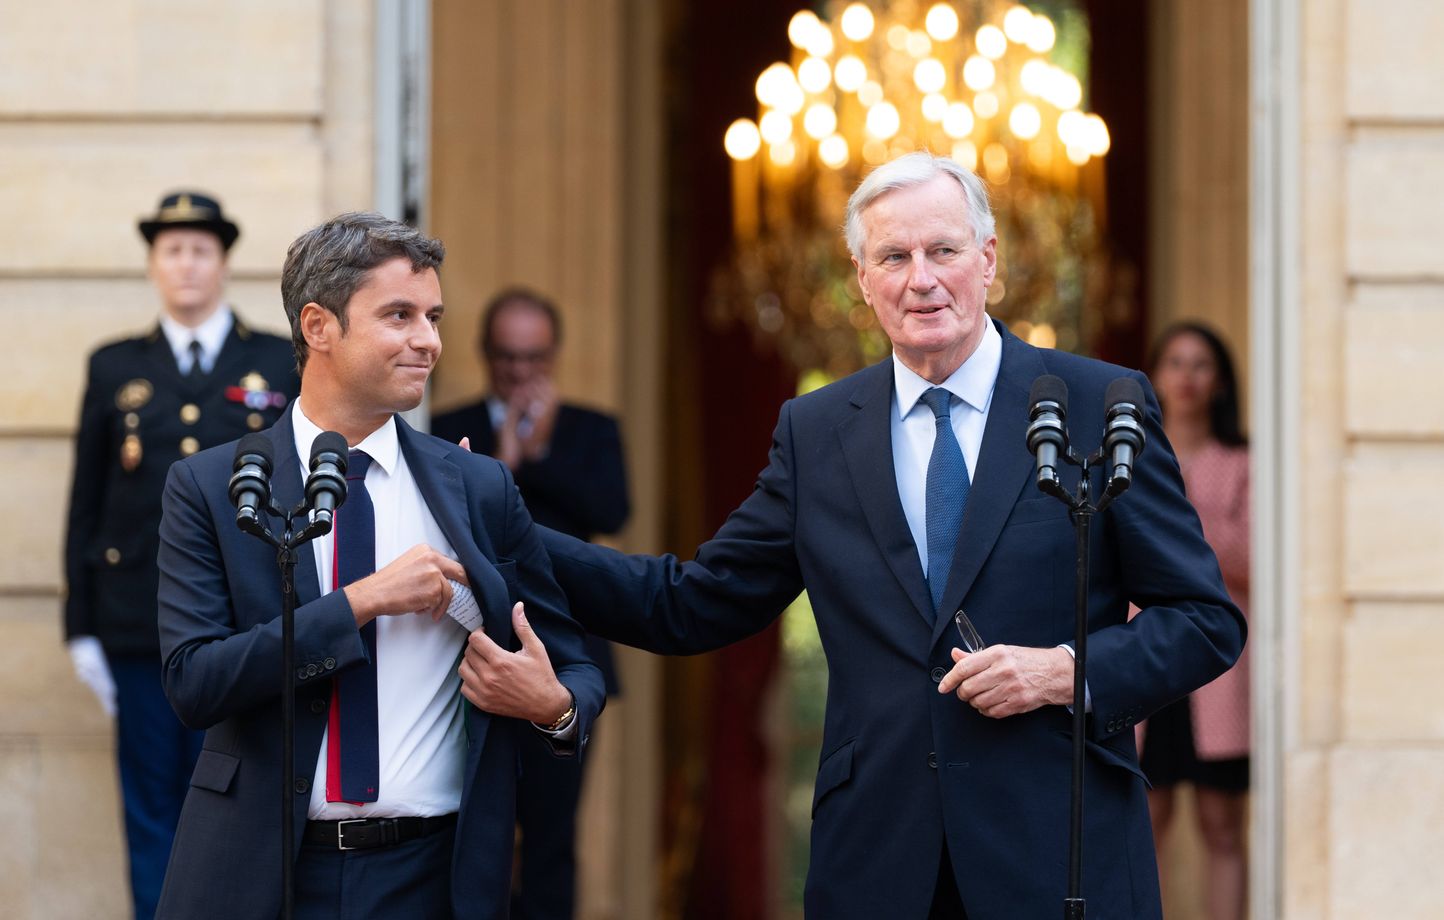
(1008,680)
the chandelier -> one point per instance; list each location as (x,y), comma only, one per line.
(985,83)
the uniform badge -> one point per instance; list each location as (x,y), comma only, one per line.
(134,394)
(255,393)
(130,453)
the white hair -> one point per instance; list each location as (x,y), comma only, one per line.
(915,169)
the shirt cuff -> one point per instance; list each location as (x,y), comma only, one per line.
(1087,694)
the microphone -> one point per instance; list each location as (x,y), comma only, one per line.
(1123,437)
(250,488)
(326,485)
(1047,436)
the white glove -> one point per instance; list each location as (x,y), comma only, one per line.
(93,671)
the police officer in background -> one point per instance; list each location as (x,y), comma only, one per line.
(199,378)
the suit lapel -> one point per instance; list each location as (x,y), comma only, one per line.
(867,446)
(1003,468)
(439,481)
(287,490)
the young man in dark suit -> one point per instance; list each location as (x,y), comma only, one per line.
(198,378)
(404,778)
(898,496)
(568,464)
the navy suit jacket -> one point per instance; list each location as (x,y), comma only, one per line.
(904,767)
(579,488)
(220,637)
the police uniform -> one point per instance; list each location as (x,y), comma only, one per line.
(140,414)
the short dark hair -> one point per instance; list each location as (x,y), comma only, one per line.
(525,298)
(1223,417)
(326,264)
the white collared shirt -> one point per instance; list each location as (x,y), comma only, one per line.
(211,334)
(913,426)
(418,689)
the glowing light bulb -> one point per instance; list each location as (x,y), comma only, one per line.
(857,22)
(814,75)
(1035,77)
(979,73)
(820,120)
(942,22)
(821,43)
(772,83)
(850,73)
(1067,91)
(897,36)
(958,122)
(919,44)
(833,151)
(935,107)
(790,97)
(883,120)
(1072,129)
(742,139)
(930,75)
(992,42)
(1018,25)
(801,28)
(1097,140)
(985,104)
(1025,120)
(870,93)
(1042,35)
(776,127)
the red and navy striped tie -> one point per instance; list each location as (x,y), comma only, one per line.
(353,755)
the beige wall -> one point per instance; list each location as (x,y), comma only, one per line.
(1364,800)
(103,107)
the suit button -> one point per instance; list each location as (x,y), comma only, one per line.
(312,670)
(112,555)
(303,785)
(254,421)
(318,706)
(190,413)
(932,760)
(189,446)
(330,664)
(938,675)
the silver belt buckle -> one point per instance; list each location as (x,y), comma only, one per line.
(341,832)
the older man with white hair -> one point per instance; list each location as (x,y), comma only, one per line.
(899,496)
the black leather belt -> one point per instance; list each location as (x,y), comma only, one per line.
(369,833)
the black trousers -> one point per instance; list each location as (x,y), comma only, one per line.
(410,880)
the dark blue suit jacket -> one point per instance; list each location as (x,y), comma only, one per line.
(902,765)
(220,642)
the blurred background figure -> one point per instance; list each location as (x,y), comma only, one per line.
(199,378)
(568,465)
(1203,739)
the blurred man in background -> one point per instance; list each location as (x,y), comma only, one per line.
(568,465)
(198,378)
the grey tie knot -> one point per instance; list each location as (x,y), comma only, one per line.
(940,401)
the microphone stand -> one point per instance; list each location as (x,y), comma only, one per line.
(1080,511)
(286,546)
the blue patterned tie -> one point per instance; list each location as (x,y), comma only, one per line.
(947,494)
(353,754)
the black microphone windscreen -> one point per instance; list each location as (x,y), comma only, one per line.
(334,443)
(1123,390)
(258,445)
(1049,388)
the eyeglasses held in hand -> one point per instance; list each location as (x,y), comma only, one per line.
(971,641)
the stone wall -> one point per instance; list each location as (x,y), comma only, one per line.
(1364,803)
(103,107)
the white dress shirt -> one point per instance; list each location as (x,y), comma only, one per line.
(913,426)
(211,334)
(418,690)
